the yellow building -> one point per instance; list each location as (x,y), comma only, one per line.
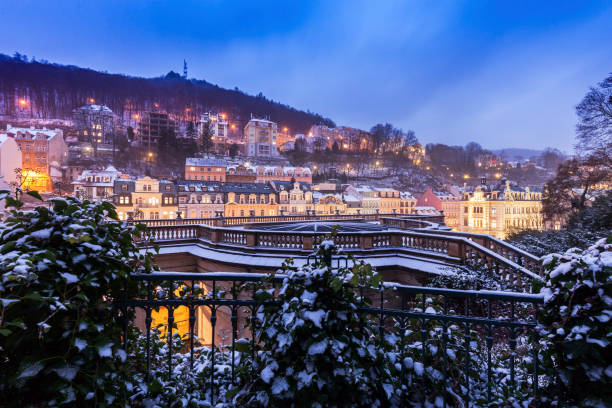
(390,201)
(145,198)
(294,198)
(500,212)
(243,200)
(330,204)
(407,203)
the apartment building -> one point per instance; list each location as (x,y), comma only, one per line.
(219,130)
(501,210)
(153,126)
(261,138)
(205,169)
(43,151)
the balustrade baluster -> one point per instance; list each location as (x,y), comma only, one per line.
(466,338)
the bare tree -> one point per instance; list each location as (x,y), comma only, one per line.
(594,129)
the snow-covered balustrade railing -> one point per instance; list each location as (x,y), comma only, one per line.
(420,221)
(487,336)
(480,251)
(509,251)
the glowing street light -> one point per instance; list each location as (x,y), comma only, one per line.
(150,154)
(92,100)
(23,102)
(136,116)
(466,176)
(285,129)
(233,126)
(223,115)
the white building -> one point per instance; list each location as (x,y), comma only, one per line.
(10,159)
(96,185)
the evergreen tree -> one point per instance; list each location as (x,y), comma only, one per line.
(206,135)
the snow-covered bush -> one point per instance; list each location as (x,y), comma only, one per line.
(470,278)
(186,386)
(576,324)
(62,268)
(314,348)
(541,243)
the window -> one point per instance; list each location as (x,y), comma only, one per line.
(465,210)
(465,222)
(493,224)
(493,211)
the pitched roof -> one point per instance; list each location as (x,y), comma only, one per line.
(205,161)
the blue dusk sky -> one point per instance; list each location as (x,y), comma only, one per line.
(502,73)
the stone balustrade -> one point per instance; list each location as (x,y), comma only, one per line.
(510,263)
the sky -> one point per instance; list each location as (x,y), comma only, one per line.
(501,73)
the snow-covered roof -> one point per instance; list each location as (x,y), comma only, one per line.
(106,177)
(31,132)
(205,161)
(3,138)
(95,108)
(351,198)
(405,195)
(261,120)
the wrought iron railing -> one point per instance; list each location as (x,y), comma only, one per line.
(218,316)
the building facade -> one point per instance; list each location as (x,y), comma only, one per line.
(219,130)
(96,185)
(242,200)
(261,138)
(500,211)
(205,169)
(145,198)
(294,198)
(200,199)
(448,203)
(42,151)
(95,124)
(153,126)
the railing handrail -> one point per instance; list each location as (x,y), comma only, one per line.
(492,238)
(407,289)
(416,217)
(442,235)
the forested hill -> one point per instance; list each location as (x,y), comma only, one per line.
(53,91)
